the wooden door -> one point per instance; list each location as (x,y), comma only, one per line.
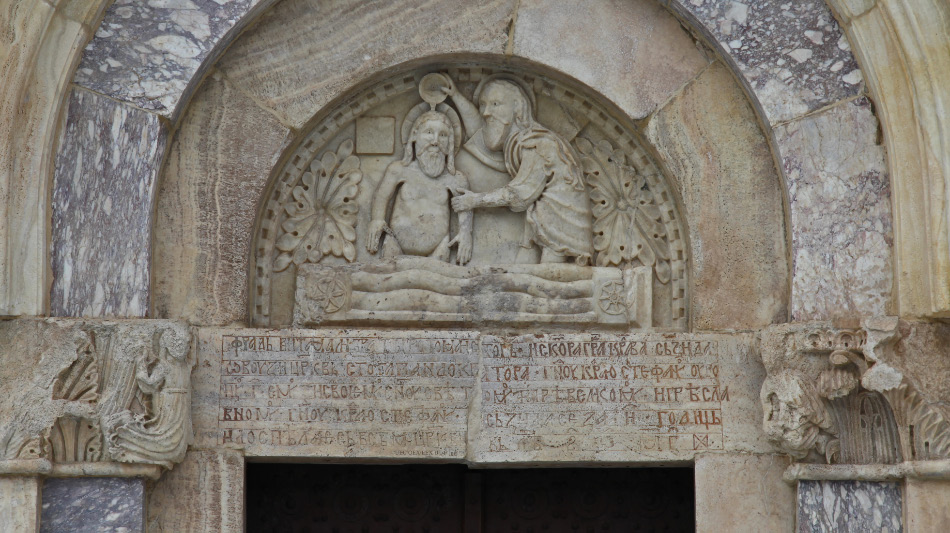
(450,498)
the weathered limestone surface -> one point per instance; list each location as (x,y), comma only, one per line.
(792,54)
(922,354)
(849,506)
(37,55)
(839,198)
(710,141)
(204,494)
(291,60)
(743,493)
(151,53)
(632,38)
(217,168)
(93,504)
(104,182)
(567,398)
(904,50)
(926,505)
(20,503)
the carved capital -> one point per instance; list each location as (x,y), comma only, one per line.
(80,391)
(831,396)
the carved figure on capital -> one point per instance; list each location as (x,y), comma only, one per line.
(163,377)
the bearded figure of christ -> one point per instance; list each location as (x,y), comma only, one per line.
(411,210)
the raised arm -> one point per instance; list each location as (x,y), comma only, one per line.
(471,118)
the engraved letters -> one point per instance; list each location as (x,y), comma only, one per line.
(454,394)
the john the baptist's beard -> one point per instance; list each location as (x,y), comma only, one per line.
(495,133)
(431,160)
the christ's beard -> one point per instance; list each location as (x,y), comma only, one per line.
(431,161)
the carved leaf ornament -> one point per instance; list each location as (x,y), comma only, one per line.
(322,214)
(627,222)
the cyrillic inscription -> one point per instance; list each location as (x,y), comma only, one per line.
(599,397)
(353,394)
(488,399)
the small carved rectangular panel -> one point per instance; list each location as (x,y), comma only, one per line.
(345,393)
(596,397)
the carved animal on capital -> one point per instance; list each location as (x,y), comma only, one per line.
(796,417)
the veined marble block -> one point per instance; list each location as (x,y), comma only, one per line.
(93,505)
(849,507)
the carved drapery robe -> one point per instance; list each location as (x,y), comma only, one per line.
(163,437)
(549,186)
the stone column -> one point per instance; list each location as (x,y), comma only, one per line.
(738,492)
(204,494)
(20,503)
(926,505)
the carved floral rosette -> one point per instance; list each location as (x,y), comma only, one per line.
(317,209)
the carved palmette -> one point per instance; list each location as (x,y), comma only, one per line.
(925,429)
(867,430)
(628,225)
(78,438)
(321,214)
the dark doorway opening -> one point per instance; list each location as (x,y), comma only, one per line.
(298,498)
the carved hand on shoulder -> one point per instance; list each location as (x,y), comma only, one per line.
(466,201)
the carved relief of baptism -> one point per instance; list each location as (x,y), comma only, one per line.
(469,195)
